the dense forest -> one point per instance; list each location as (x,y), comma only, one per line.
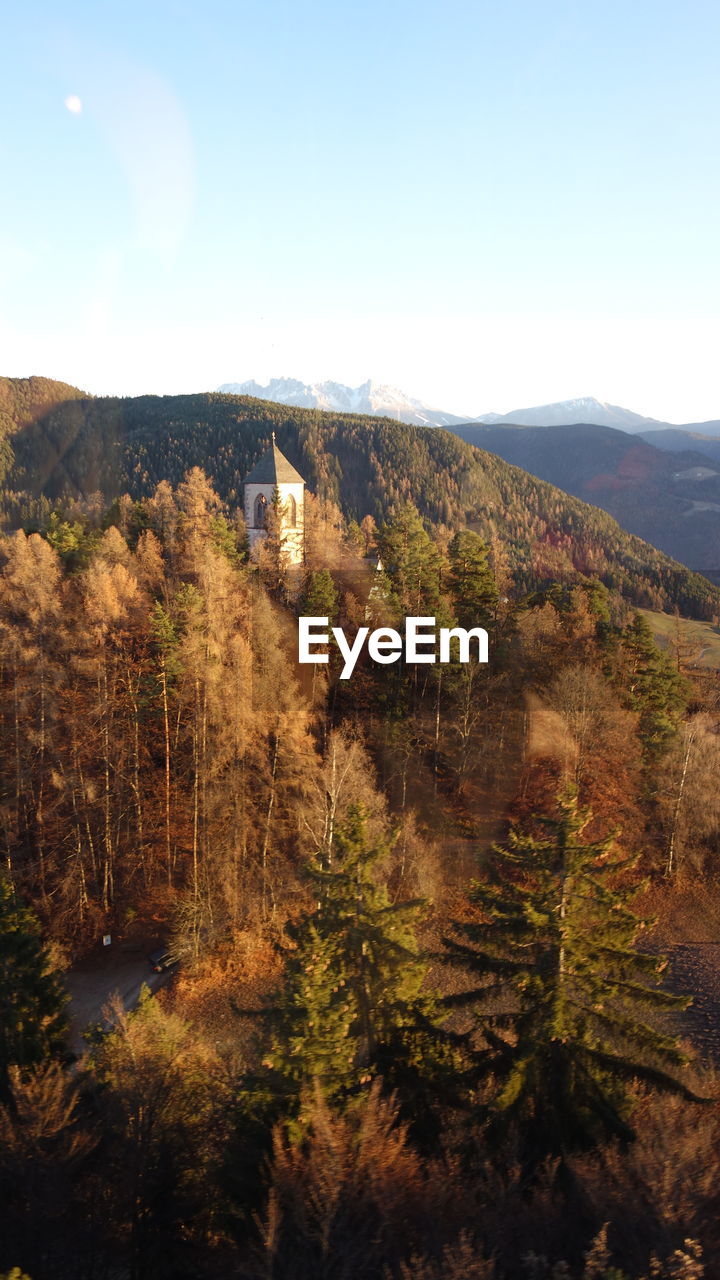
(62,446)
(418,1026)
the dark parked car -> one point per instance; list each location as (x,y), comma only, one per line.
(161,960)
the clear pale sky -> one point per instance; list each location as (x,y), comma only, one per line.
(490,205)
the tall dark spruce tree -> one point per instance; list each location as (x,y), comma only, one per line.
(471,580)
(319,598)
(352,1007)
(566,1006)
(353,1004)
(32,1000)
(412,564)
(656,691)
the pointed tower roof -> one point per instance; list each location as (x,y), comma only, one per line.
(273,468)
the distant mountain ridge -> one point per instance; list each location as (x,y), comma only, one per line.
(587,411)
(379,400)
(370,397)
(566,413)
(679,439)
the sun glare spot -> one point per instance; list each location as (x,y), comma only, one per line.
(74,104)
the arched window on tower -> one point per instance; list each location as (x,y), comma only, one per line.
(260,511)
(291,507)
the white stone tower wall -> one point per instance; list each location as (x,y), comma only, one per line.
(293,538)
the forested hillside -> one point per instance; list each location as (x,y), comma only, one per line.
(670,499)
(366,465)
(24,401)
(414,1028)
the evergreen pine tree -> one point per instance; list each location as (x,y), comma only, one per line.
(353,1005)
(350,1008)
(32,1000)
(411,563)
(471,580)
(313,1015)
(657,692)
(564,1000)
(355,537)
(320,598)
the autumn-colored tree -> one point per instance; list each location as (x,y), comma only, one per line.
(31,606)
(324,534)
(113,605)
(688,798)
(45,1142)
(346,1200)
(164,1101)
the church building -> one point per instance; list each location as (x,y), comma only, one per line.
(273,473)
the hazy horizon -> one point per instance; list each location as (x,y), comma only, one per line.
(409,392)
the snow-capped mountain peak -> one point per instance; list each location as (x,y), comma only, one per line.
(585,409)
(370,397)
(380,400)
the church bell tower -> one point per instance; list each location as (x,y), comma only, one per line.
(272,479)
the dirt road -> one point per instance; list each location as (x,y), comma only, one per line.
(121,968)
(694,970)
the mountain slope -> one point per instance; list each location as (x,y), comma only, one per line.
(678,439)
(24,401)
(366,464)
(709,428)
(372,398)
(670,499)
